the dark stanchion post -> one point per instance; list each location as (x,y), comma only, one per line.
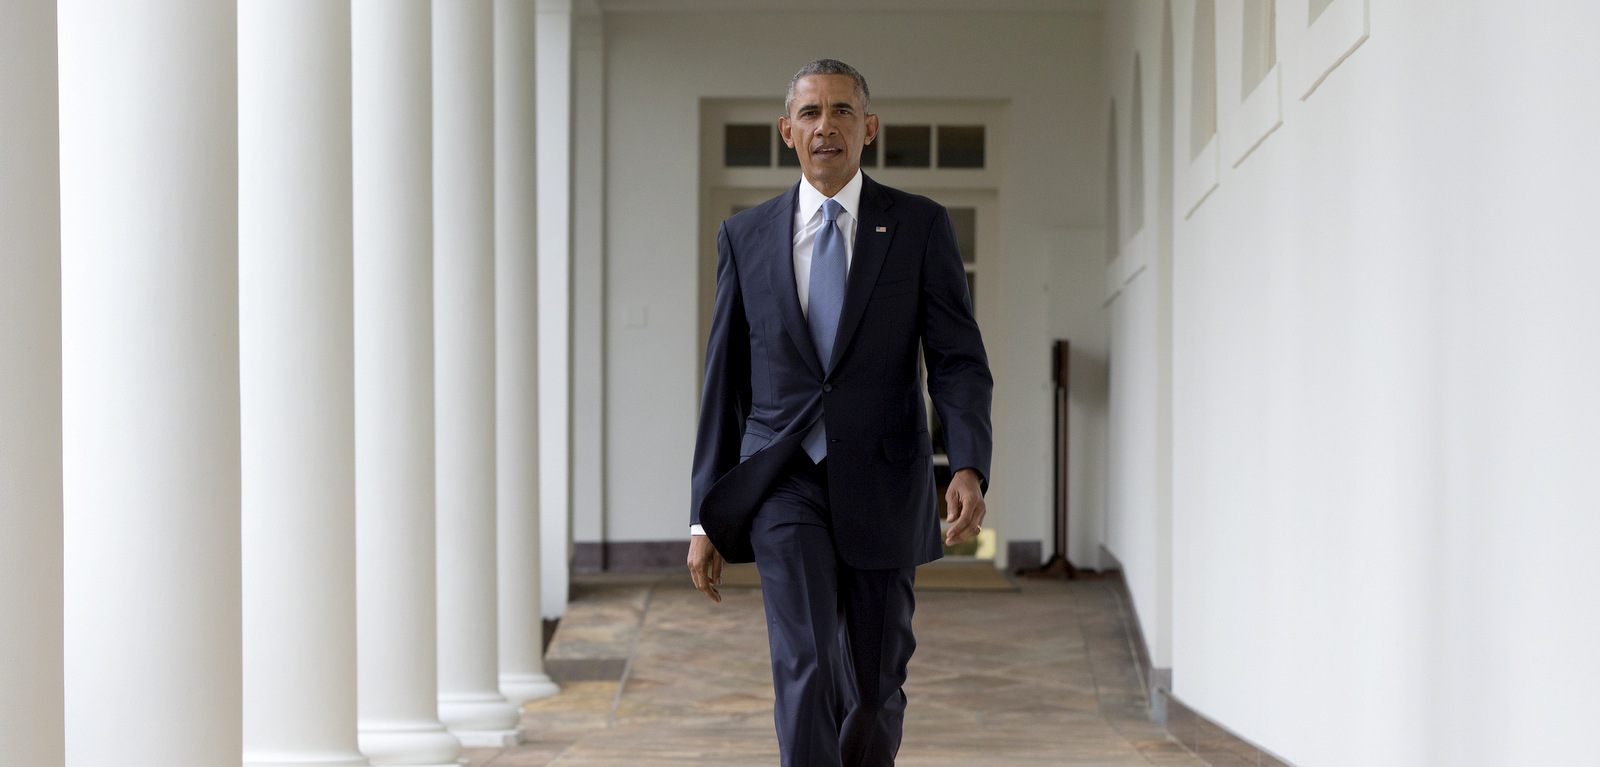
(1058,566)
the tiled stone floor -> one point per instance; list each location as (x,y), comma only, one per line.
(1041,676)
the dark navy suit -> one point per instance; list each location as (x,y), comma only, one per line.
(837,543)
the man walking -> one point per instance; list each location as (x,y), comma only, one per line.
(813,457)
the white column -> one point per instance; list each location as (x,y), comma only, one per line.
(297,387)
(31,726)
(470,703)
(554,81)
(516,301)
(588,278)
(392,122)
(150,381)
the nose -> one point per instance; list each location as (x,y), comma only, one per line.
(825,127)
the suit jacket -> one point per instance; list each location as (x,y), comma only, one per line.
(765,387)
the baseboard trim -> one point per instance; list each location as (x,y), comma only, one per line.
(1108,561)
(1111,570)
(588,557)
(1024,555)
(622,556)
(1214,744)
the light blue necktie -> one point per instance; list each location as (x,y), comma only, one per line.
(823,305)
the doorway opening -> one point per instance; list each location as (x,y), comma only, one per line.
(948,151)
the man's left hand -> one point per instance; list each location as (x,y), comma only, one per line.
(964,501)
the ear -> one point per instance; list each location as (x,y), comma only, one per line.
(872,128)
(785,128)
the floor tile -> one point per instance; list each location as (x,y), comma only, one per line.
(1038,676)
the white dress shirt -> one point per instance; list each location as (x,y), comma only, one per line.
(808,222)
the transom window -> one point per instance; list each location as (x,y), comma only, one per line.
(758,145)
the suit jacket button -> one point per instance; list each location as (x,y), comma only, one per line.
(827,387)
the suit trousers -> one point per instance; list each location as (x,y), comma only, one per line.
(840,637)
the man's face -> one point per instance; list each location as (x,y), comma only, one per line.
(827,125)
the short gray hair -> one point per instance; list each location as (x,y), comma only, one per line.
(828,67)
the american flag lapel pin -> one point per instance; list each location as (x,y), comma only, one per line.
(883,228)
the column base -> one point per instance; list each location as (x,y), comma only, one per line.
(522,688)
(480,712)
(421,745)
(305,760)
(490,738)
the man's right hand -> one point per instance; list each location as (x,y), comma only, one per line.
(705,566)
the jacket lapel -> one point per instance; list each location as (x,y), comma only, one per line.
(866,261)
(777,241)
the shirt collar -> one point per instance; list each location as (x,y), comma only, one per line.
(811,200)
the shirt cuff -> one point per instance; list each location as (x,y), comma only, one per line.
(696,530)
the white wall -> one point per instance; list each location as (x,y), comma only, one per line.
(1138,527)
(658,67)
(1386,433)
(1133,525)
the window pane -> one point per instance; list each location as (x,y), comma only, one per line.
(965,221)
(869,155)
(787,156)
(961,146)
(909,146)
(747,146)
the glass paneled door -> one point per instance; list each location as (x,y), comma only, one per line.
(975,217)
(973,214)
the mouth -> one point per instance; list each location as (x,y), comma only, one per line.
(826,152)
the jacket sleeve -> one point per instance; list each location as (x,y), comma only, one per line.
(958,368)
(725,398)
